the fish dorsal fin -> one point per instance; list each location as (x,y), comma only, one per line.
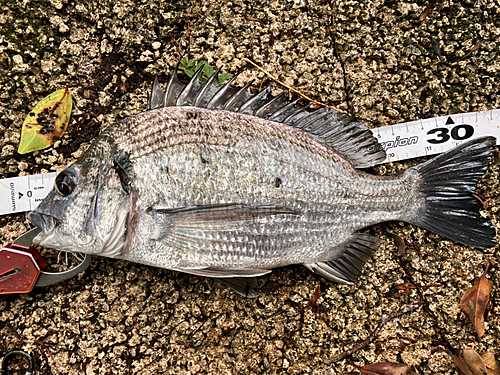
(338,130)
(346,268)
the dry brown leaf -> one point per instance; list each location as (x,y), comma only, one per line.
(405,286)
(491,363)
(315,297)
(387,368)
(424,14)
(475,302)
(475,48)
(468,362)
(400,243)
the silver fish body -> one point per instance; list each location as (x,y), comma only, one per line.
(231,195)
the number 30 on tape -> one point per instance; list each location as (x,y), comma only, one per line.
(436,135)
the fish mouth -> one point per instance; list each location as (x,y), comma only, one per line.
(46,223)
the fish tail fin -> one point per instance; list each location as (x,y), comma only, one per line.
(448,182)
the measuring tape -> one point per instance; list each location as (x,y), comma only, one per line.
(436,135)
(19,194)
(402,141)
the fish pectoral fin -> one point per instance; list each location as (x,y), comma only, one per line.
(346,268)
(244,286)
(219,214)
(220,273)
(183,228)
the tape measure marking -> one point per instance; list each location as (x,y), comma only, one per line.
(436,135)
(402,141)
(19,194)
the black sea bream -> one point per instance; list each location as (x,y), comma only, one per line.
(217,182)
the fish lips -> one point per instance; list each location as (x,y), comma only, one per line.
(46,223)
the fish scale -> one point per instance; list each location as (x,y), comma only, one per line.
(217,182)
(186,171)
(268,156)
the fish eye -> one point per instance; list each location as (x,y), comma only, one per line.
(65,183)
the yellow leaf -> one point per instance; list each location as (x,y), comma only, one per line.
(47,122)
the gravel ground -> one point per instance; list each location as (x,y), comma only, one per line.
(368,57)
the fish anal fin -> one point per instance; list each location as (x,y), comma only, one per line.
(346,268)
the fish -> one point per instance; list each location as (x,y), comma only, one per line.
(214,181)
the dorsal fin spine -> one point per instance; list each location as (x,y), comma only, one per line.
(237,95)
(254,98)
(156,97)
(221,92)
(208,84)
(283,109)
(183,97)
(262,110)
(170,90)
(288,120)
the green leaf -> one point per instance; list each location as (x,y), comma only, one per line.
(189,73)
(47,121)
(208,70)
(224,77)
(184,62)
(191,63)
(198,66)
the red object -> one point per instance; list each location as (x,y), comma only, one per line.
(20,267)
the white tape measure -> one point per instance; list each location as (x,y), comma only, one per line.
(18,194)
(436,135)
(402,141)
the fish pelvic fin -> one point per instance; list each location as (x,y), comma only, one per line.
(335,129)
(448,183)
(243,281)
(244,286)
(346,268)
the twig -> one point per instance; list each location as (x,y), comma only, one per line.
(39,342)
(372,335)
(475,48)
(294,90)
(425,304)
(256,20)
